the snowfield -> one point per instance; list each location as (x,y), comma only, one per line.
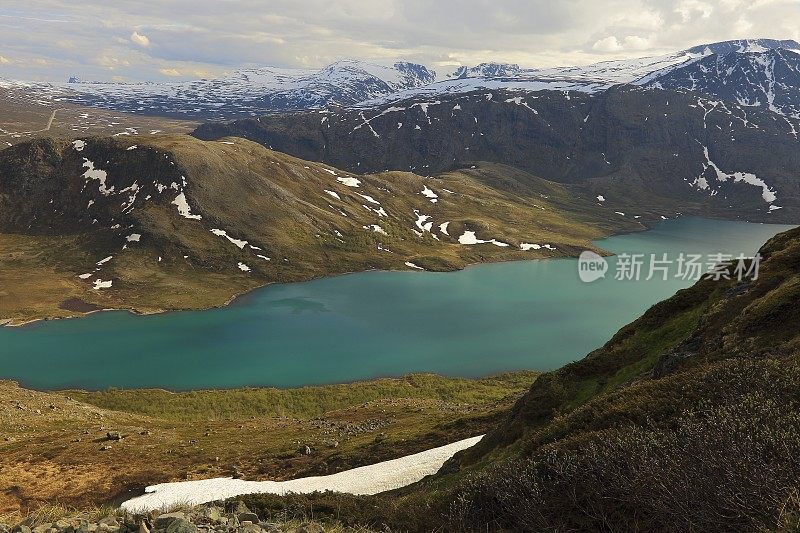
(372,479)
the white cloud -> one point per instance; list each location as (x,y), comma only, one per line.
(608,44)
(630,42)
(172,72)
(139,39)
(214,36)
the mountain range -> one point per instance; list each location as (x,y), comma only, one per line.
(644,151)
(769,68)
(375,175)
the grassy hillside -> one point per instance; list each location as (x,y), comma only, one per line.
(55,447)
(171,222)
(686,420)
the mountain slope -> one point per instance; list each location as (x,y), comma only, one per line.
(686,420)
(171,222)
(642,150)
(769,79)
(700,392)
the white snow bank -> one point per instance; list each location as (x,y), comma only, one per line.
(97,174)
(183,207)
(100,284)
(469,238)
(222,233)
(372,479)
(350,182)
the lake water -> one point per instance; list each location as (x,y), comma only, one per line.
(482,320)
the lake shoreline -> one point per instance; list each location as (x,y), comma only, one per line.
(9,323)
(485,319)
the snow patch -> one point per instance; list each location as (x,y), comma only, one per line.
(183,207)
(350,182)
(469,238)
(100,284)
(222,233)
(365,480)
(97,174)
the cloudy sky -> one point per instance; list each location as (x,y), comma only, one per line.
(131,40)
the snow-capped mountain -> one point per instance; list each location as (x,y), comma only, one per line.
(254,91)
(768,78)
(647,71)
(487,70)
(752,73)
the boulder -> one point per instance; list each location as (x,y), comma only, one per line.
(248,517)
(163,521)
(181,525)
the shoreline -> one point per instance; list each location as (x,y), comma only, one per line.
(647,225)
(7,323)
(359,381)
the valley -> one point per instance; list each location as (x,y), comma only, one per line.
(279,273)
(526,314)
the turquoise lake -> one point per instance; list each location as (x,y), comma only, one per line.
(485,319)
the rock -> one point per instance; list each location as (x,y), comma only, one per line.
(163,521)
(248,517)
(305,450)
(143,528)
(42,528)
(114,435)
(249,528)
(21,529)
(63,525)
(4,528)
(212,514)
(181,525)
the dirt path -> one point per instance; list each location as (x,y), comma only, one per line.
(46,128)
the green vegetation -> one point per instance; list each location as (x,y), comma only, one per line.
(305,402)
(50,438)
(291,220)
(686,420)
